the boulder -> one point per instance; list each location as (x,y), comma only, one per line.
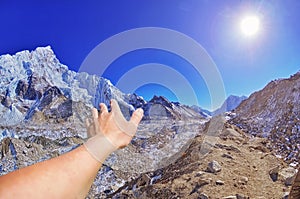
(287,175)
(214,167)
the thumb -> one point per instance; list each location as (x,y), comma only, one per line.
(137,116)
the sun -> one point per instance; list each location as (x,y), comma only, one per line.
(250,25)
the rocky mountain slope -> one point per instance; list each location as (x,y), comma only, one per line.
(238,167)
(273,112)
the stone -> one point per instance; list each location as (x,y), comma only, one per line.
(143,180)
(230,197)
(287,175)
(274,173)
(214,167)
(6,101)
(219,182)
(203,196)
(243,180)
(241,196)
(285,195)
(225,155)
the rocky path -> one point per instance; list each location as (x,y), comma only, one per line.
(237,167)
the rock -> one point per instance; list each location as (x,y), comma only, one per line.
(287,175)
(240,196)
(5,147)
(214,167)
(203,196)
(243,180)
(143,180)
(274,173)
(230,133)
(219,182)
(285,195)
(31,92)
(230,197)
(21,88)
(225,155)
(6,101)
(199,173)
(136,101)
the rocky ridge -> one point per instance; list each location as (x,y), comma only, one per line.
(273,112)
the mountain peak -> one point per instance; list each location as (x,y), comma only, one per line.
(229,104)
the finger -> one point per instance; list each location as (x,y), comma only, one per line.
(115,107)
(90,130)
(103,108)
(95,121)
(87,122)
(95,113)
(137,116)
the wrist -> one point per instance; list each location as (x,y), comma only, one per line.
(100,147)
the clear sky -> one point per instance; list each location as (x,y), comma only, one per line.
(246,63)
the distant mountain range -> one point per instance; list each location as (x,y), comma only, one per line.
(229,104)
(36,87)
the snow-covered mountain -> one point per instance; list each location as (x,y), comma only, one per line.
(43,110)
(35,86)
(274,112)
(229,104)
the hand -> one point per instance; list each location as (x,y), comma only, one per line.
(113,126)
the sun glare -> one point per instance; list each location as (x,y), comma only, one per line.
(250,25)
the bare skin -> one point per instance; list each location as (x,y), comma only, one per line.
(69,175)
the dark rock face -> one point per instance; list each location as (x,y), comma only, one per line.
(53,105)
(136,101)
(160,107)
(21,88)
(31,93)
(6,100)
(161,100)
(64,110)
(48,97)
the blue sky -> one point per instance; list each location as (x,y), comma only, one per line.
(74,28)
